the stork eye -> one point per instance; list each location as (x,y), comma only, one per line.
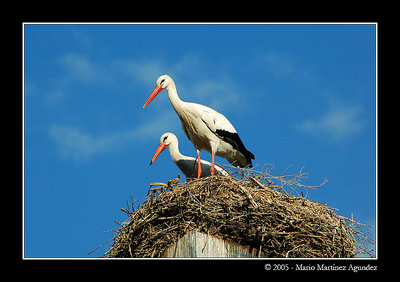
(162,81)
(165,138)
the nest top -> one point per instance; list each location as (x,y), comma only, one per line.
(258,210)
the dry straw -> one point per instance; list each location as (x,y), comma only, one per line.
(268,213)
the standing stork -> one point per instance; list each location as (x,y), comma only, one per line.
(206,128)
(187,165)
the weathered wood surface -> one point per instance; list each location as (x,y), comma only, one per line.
(199,245)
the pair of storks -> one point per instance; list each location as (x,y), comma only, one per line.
(206,129)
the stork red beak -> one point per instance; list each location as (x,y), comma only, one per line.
(160,148)
(153,95)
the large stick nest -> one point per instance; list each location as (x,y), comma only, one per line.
(265,212)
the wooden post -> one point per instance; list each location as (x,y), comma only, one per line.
(196,245)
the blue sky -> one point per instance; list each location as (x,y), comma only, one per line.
(299,96)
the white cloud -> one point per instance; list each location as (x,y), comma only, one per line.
(157,125)
(283,66)
(338,123)
(78,67)
(219,94)
(76,144)
(144,71)
(194,77)
(279,64)
(193,82)
(340,120)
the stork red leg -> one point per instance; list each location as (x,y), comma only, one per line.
(199,170)
(212,169)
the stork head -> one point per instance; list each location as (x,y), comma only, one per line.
(165,140)
(168,138)
(163,82)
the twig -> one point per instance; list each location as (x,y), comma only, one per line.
(249,197)
(100,246)
(127,211)
(287,254)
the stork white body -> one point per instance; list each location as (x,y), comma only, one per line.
(186,164)
(206,128)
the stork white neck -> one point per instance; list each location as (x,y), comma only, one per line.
(174,151)
(176,102)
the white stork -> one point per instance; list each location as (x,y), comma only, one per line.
(206,129)
(187,165)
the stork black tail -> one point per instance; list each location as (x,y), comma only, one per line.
(236,142)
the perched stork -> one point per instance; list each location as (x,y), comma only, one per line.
(206,129)
(187,165)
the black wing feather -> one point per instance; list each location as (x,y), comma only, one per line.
(236,142)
